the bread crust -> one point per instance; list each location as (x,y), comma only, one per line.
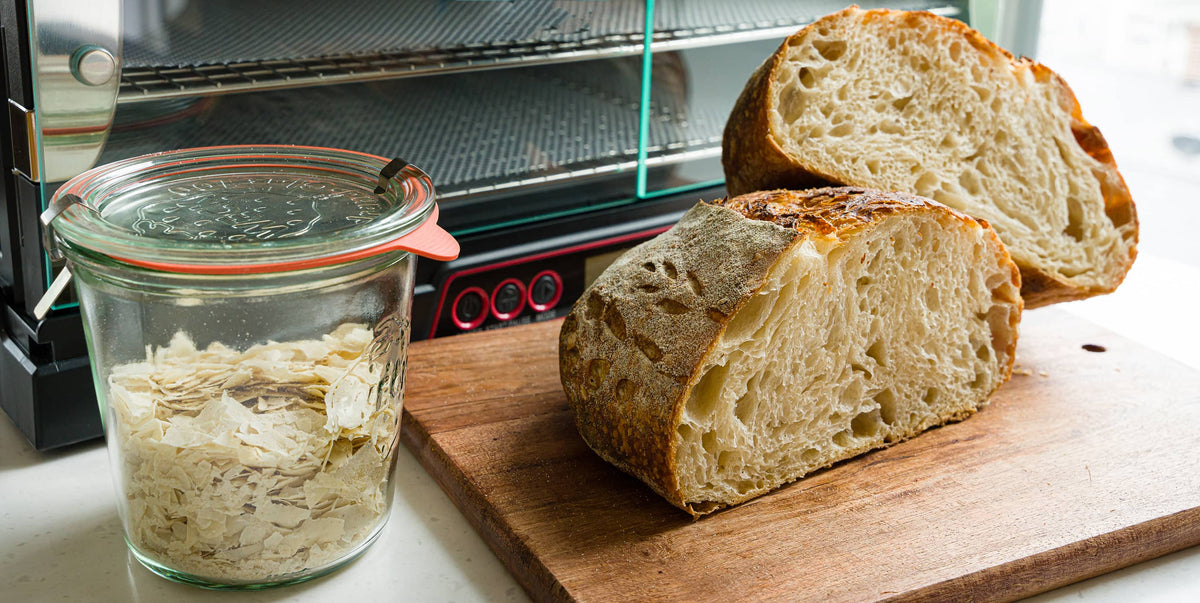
(631,347)
(631,344)
(753,159)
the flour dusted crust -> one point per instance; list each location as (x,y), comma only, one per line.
(631,344)
(636,348)
(767,145)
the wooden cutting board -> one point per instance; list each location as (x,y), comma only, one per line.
(1085,463)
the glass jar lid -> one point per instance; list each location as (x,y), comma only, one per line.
(249,209)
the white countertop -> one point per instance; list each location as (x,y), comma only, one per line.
(60,539)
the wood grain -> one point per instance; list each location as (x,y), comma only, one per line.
(1085,465)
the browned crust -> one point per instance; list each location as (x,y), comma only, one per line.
(630,348)
(753,159)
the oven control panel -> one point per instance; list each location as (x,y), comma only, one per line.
(528,289)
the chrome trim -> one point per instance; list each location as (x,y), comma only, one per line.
(158,83)
(93,65)
(72,117)
(53,292)
(659,156)
(23,124)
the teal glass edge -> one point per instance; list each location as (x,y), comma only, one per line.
(644,120)
(684,188)
(644,104)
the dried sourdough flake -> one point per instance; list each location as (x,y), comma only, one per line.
(244,466)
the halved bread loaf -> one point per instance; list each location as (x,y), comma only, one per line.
(913,102)
(769,335)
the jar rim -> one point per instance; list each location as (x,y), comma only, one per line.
(130,210)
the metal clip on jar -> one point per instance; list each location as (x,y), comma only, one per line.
(247,316)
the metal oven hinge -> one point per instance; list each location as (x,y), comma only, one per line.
(23,126)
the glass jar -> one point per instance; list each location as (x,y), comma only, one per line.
(247,316)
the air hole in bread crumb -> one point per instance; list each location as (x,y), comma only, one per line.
(649,266)
(932,299)
(809,455)
(852,394)
(858,368)
(887,406)
(955,51)
(969,180)
(879,353)
(1005,293)
(980,380)
(873,166)
(983,353)
(842,130)
(862,283)
(745,407)
(670,270)
(747,320)
(901,103)
(842,438)
(1074,228)
(931,396)
(706,393)
(709,442)
(791,105)
(807,79)
(830,50)
(866,425)
(725,461)
(926,184)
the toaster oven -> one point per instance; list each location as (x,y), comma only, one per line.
(558,133)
